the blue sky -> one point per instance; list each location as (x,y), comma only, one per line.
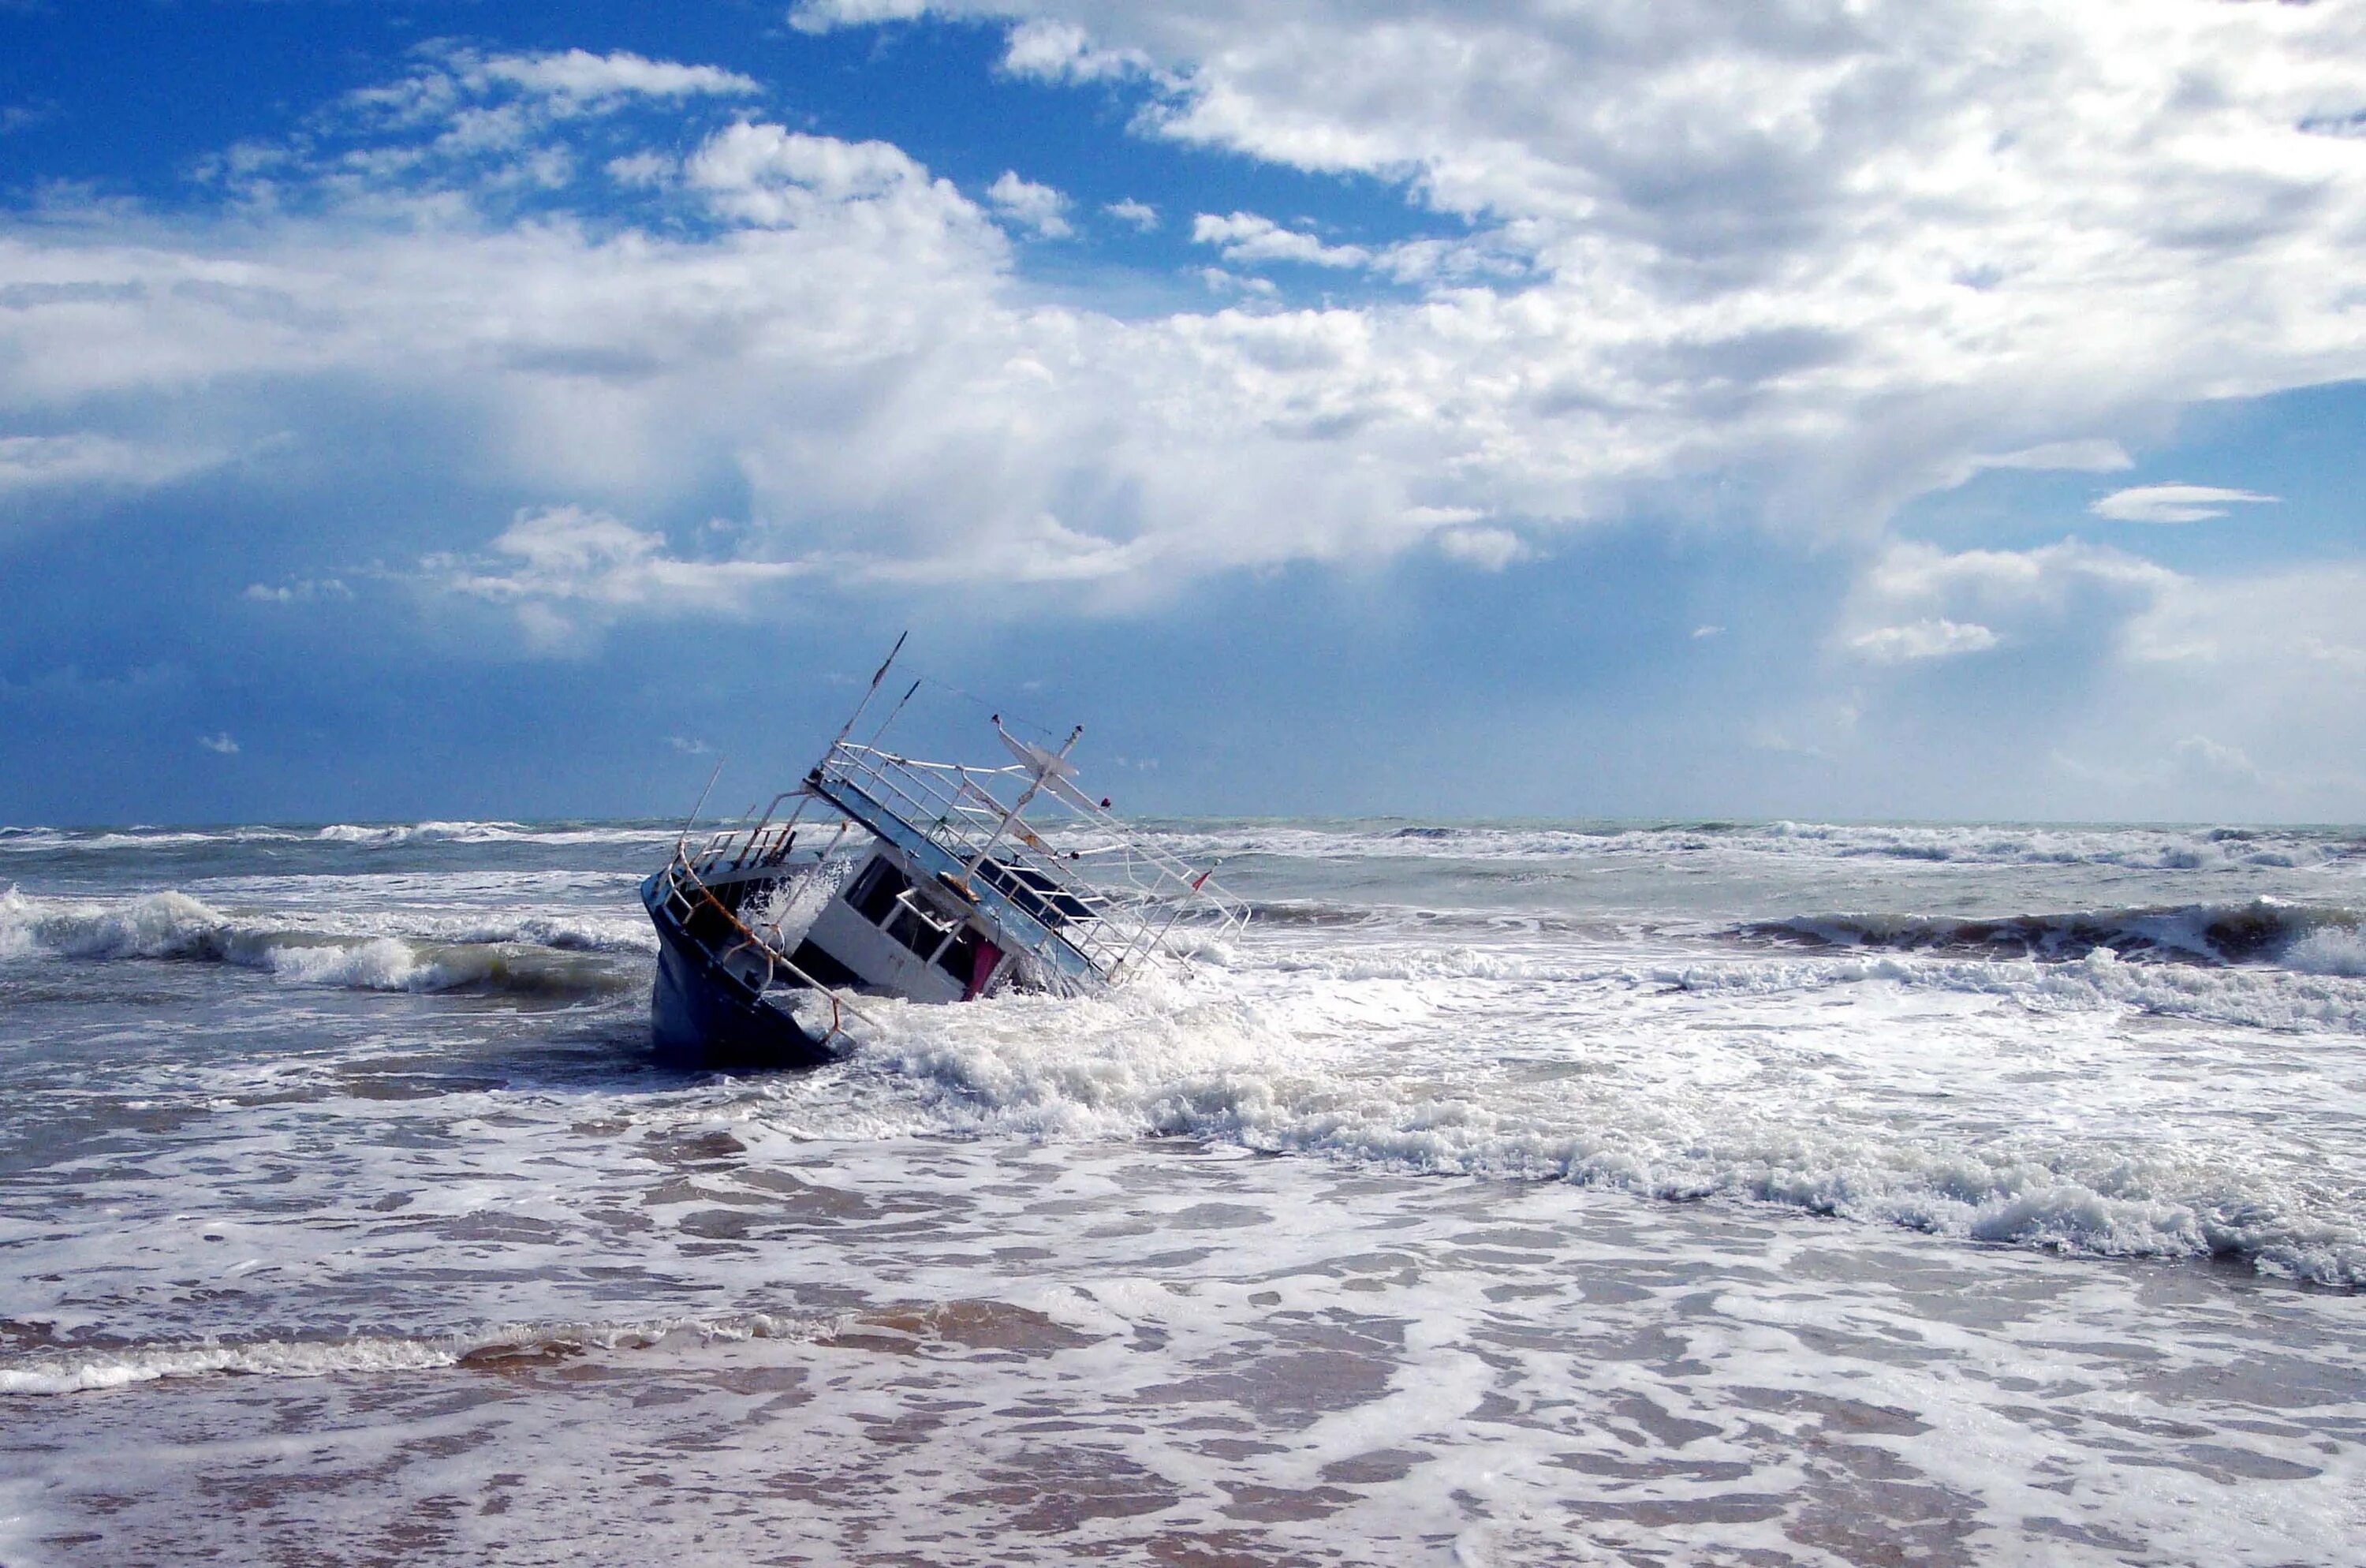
(441,409)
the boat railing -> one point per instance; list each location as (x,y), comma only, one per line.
(1132,896)
(686,892)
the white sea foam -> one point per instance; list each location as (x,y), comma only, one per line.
(1421,1059)
(567,933)
(78,1371)
(1770,1234)
(2334,950)
(387,834)
(2257,929)
(2316,1001)
(173,925)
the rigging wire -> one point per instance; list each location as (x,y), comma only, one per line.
(939,682)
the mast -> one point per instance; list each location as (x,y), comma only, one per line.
(1037,774)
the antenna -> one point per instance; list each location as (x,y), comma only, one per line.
(872,691)
(686,827)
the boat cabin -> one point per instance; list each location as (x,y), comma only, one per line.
(888,931)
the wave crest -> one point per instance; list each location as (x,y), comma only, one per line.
(2262,931)
(173,925)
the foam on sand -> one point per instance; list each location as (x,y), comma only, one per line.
(78,1371)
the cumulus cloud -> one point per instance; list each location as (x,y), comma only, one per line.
(2149,692)
(300,590)
(1915,601)
(1245,237)
(1031,205)
(2174,504)
(1997,229)
(2200,756)
(566,569)
(50,464)
(1134,214)
(463,121)
(1782,269)
(221,744)
(821,15)
(1934,638)
(587,78)
(1490,549)
(1063,51)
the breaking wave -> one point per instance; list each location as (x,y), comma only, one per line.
(174,926)
(2314,938)
(388,834)
(372,835)
(1211,1068)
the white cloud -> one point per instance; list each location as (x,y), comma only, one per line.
(2200,756)
(1934,638)
(1245,237)
(471,123)
(1914,602)
(2174,504)
(1707,631)
(302,590)
(1137,214)
(1062,51)
(1900,235)
(821,15)
(1771,268)
(2087,456)
(1490,549)
(591,78)
(641,169)
(570,571)
(83,460)
(755,158)
(1219,281)
(2010,583)
(1024,202)
(2146,693)
(221,744)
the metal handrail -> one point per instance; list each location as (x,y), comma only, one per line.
(773,959)
(950,803)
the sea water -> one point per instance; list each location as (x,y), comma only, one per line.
(1645,1193)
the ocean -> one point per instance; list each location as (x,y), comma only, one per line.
(1740,1193)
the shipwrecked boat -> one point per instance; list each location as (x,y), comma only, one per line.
(892,877)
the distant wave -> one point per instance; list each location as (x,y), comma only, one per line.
(387,834)
(2313,939)
(382,835)
(2246,997)
(2145,848)
(170,925)
(28,839)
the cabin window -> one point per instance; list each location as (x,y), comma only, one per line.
(959,958)
(916,926)
(874,892)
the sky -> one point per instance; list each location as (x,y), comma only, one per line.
(1834,409)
